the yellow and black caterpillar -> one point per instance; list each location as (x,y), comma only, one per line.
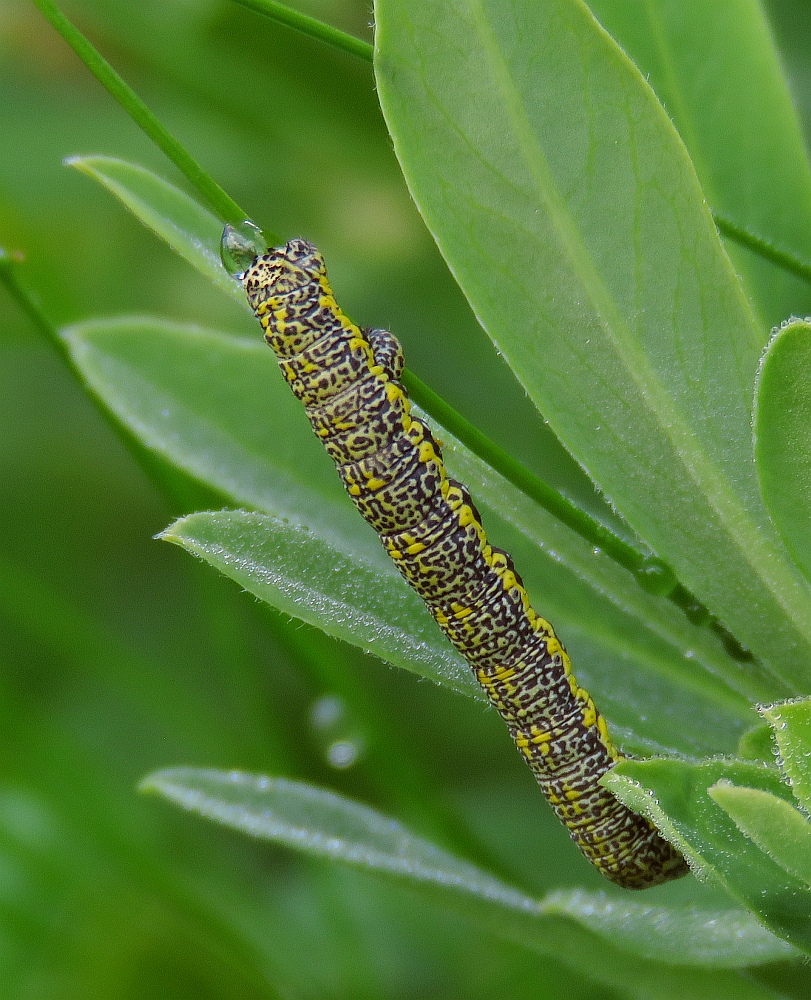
(392,468)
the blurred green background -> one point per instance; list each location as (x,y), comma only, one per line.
(119,654)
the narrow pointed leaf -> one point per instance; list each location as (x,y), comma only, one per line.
(322,823)
(359,600)
(183,223)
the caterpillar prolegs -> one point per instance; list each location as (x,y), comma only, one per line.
(392,468)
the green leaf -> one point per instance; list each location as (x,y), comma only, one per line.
(191,231)
(777,828)
(783,436)
(675,794)
(319,822)
(216,406)
(716,69)
(182,222)
(325,824)
(353,597)
(682,934)
(359,597)
(567,208)
(791,725)
(757,744)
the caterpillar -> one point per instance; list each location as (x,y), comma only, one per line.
(391,466)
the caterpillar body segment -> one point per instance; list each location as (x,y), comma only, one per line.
(392,468)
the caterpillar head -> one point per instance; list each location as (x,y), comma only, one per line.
(292,272)
(297,267)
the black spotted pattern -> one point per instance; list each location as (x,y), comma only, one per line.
(392,468)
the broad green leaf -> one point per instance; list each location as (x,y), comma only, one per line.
(183,223)
(216,406)
(777,828)
(652,614)
(567,208)
(791,725)
(327,825)
(716,69)
(675,794)
(783,436)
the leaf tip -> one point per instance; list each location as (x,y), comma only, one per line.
(721,791)
(153,784)
(173,533)
(168,782)
(80,163)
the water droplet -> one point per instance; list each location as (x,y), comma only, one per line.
(240,246)
(335,731)
(655,577)
(343,753)
(326,711)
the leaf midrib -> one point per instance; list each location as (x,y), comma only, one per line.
(706,476)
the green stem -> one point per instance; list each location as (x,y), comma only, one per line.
(311,26)
(782,258)
(221,203)
(530,485)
